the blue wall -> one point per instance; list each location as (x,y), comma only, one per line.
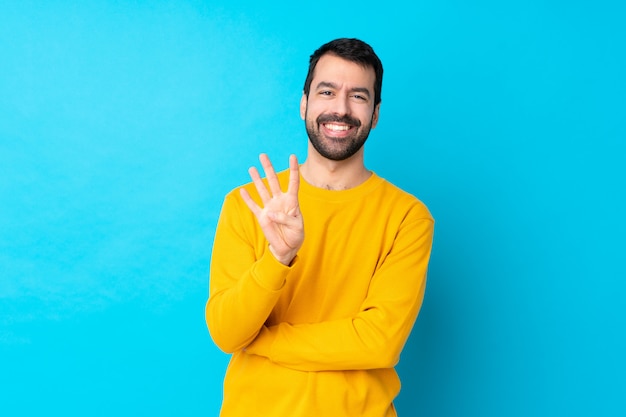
(123,124)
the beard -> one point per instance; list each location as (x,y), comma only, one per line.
(333,148)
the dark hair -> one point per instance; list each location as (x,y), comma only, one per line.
(353,50)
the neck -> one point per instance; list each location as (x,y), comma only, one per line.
(334,175)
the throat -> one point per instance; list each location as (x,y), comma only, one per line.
(334,180)
(330,187)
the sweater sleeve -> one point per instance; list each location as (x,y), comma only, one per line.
(245,279)
(375,336)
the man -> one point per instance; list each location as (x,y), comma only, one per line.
(315,289)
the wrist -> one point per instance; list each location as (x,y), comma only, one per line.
(285,259)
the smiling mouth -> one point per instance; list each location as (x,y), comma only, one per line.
(336,123)
(337,128)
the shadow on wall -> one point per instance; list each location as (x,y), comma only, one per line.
(459,344)
(436,351)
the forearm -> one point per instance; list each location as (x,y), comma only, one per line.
(375,335)
(371,340)
(235,314)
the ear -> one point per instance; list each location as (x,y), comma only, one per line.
(303,102)
(375,115)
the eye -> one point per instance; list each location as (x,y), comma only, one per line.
(325,93)
(360,98)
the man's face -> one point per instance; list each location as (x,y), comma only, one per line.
(339,111)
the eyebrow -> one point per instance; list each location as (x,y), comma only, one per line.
(327,84)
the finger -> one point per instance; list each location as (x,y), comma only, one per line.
(270,174)
(252,205)
(260,186)
(294,176)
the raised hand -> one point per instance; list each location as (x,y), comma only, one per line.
(280,217)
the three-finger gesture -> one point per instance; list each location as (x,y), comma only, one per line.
(280,217)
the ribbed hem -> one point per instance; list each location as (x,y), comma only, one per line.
(269,273)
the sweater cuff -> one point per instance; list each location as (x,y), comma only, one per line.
(269,273)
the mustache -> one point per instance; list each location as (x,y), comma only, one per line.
(335,118)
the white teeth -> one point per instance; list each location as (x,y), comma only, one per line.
(336,128)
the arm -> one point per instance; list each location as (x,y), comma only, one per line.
(375,336)
(246,278)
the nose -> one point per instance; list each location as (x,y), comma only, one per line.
(341,106)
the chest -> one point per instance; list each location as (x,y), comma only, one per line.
(343,248)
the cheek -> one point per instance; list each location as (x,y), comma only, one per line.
(371,117)
(310,112)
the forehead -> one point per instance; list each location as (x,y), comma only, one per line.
(333,69)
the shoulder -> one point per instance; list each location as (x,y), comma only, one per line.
(404,201)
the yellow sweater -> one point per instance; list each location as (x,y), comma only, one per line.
(321,337)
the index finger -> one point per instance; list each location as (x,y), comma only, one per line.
(294,175)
